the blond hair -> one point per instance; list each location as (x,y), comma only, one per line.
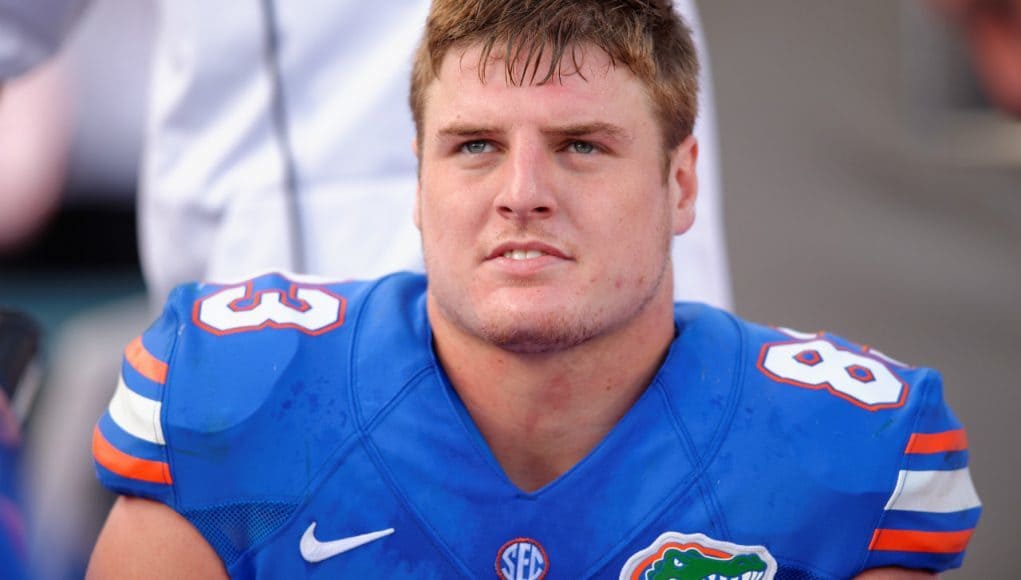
(647,36)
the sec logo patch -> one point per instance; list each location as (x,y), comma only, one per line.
(522,559)
(675,555)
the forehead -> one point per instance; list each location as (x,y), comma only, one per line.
(587,86)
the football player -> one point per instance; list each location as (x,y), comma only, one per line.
(536,406)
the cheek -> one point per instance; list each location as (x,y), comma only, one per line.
(448,222)
(642,220)
(638,243)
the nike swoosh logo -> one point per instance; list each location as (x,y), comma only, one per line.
(315,551)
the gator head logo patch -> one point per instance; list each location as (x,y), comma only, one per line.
(675,556)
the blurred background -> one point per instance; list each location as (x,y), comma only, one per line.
(870,189)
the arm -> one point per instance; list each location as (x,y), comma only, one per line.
(146,539)
(34,138)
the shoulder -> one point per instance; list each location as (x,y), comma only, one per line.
(836,371)
(233,405)
(873,395)
(858,434)
(858,374)
(842,388)
(233,377)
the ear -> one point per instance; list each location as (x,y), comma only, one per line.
(682,182)
(416,214)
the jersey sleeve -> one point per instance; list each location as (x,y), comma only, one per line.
(128,443)
(933,509)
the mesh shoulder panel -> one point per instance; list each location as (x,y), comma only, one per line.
(791,573)
(232,529)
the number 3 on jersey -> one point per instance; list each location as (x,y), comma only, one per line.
(820,364)
(233,309)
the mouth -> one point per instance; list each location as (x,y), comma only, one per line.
(523,254)
(525,251)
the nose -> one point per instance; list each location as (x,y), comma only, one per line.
(527,192)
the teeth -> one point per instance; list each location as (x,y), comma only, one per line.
(523,254)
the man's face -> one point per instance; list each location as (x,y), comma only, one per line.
(546,211)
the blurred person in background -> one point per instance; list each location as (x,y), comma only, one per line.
(19,381)
(33,153)
(40,90)
(992,30)
(13,537)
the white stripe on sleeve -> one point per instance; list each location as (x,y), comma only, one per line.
(138,415)
(934,491)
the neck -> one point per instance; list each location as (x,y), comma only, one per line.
(543,413)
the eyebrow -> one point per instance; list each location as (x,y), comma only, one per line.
(597,128)
(580,130)
(459,130)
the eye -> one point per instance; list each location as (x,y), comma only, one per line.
(476,147)
(583,147)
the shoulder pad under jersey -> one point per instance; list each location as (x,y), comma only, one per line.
(874,435)
(240,393)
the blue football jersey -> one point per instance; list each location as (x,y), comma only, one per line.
(308,430)
(13,542)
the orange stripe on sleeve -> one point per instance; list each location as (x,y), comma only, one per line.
(142,361)
(917,541)
(956,440)
(125,465)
